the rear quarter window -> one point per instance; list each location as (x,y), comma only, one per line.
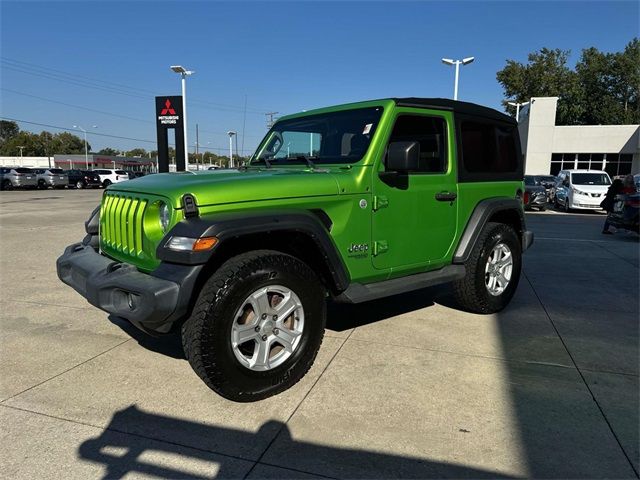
(121,172)
(488,151)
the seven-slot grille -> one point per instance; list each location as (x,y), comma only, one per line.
(121,223)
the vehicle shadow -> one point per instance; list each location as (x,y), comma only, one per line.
(345,316)
(169,345)
(124,452)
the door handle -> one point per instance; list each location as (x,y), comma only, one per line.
(446,196)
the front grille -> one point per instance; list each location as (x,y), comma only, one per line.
(121,223)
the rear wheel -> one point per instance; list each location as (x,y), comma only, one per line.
(106,183)
(257,325)
(42,185)
(7,185)
(79,184)
(492,271)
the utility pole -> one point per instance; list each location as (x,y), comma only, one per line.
(197,140)
(270,119)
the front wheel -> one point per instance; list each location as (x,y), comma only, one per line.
(106,183)
(7,185)
(79,184)
(257,326)
(492,271)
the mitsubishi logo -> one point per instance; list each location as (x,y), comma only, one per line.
(168,109)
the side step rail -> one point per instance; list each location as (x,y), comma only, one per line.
(358,293)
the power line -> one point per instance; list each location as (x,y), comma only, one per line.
(102,85)
(99,111)
(66,129)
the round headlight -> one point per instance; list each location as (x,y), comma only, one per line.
(164,216)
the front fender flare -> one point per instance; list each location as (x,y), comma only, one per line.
(229,226)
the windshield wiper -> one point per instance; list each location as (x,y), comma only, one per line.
(310,164)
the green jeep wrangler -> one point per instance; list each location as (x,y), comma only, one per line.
(353,202)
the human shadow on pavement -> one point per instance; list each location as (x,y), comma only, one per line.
(124,451)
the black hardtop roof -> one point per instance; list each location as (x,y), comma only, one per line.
(456,106)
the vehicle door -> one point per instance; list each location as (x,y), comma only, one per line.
(414,212)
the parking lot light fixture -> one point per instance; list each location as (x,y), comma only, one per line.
(184,73)
(517,105)
(231,133)
(86,153)
(457,63)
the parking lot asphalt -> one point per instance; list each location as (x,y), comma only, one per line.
(405,387)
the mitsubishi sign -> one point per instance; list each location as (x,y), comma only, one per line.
(169,116)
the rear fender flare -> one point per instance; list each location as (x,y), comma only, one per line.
(479,218)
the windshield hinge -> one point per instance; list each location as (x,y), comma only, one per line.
(380,202)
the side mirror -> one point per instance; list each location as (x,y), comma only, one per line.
(403,156)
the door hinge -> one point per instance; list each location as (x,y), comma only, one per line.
(380,246)
(380,202)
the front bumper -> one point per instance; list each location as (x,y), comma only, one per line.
(152,302)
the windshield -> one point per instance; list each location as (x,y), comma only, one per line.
(529,180)
(590,179)
(545,179)
(337,137)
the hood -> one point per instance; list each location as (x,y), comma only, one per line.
(592,188)
(215,187)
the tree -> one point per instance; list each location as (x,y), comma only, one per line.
(108,151)
(137,152)
(68,143)
(610,81)
(546,75)
(31,146)
(603,88)
(7,130)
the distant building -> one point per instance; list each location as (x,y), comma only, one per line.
(104,161)
(549,148)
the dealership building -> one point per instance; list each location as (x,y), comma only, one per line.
(549,148)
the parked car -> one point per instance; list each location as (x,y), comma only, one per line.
(51,177)
(625,212)
(17,177)
(581,189)
(108,176)
(242,262)
(133,174)
(83,179)
(535,196)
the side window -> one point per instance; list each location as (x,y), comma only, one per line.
(431,132)
(488,148)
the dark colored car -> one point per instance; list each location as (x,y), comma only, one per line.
(625,212)
(134,174)
(535,195)
(83,179)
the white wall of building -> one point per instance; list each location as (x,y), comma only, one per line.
(541,138)
(33,162)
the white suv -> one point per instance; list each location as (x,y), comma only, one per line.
(108,176)
(581,189)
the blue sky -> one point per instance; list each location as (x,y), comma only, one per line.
(280,56)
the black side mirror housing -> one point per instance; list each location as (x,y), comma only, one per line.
(403,156)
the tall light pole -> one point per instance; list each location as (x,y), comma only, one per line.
(457,63)
(517,105)
(86,153)
(231,133)
(184,73)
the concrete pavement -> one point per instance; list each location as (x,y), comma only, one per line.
(406,387)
